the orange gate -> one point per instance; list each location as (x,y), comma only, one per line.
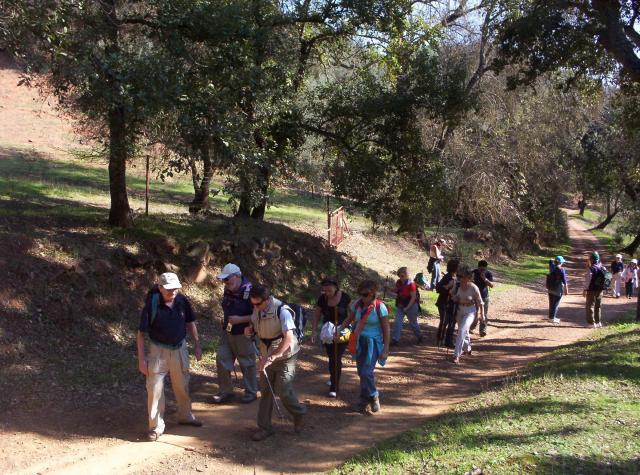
(337,226)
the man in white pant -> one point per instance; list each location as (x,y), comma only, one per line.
(166,318)
(617,267)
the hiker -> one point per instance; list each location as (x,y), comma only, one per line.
(407,303)
(483,279)
(435,258)
(237,311)
(445,304)
(333,307)
(617,267)
(273,324)
(167,317)
(369,342)
(582,204)
(594,286)
(630,277)
(556,287)
(468,300)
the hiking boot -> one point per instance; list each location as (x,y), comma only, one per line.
(152,436)
(247,398)
(375,404)
(364,406)
(221,398)
(333,394)
(555,320)
(298,423)
(261,435)
(192,423)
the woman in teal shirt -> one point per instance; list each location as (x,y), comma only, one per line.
(371,336)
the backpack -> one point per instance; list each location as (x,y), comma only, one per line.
(553,279)
(299,319)
(601,280)
(432,261)
(441,285)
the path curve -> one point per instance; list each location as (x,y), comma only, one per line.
(418,382)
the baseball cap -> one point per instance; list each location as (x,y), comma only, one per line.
(618,256)
(229,269)
(560,259)
(595,257)
(634,261)
(169,281)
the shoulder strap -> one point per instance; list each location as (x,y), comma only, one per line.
(155,299)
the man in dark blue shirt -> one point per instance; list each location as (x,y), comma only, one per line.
(483,278)
(237,311)
(167,317)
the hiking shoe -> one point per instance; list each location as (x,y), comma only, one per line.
(152,436)
(363,406)
(555,320)
(332,394)
(261,435)
(193,423)
(221,398)
(375,404)
(247,398)
(298,423)
(595,325)
(418,339)
(599,324)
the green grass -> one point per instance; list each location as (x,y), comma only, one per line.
(577,411)
(528,267)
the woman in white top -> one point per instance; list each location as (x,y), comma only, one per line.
(469,301)
(630,277)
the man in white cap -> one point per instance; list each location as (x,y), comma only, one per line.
(237,311)
(617,267)
(167,317)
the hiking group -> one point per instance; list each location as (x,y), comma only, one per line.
(263,334)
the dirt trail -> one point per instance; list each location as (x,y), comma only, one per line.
(417,382)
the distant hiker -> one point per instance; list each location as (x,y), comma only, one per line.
(406,304)
(582,204)
(369,341)
(596,280)
(333,307)
(273,323)
(435,259)
(237,311)
(167,317)
(556,287)
(483,278)
(630,277)
(617,267)
(468,300)
(445,304)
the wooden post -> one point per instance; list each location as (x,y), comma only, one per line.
(328,220)
(146,193)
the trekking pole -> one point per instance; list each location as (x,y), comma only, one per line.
(273,394)
(335,351)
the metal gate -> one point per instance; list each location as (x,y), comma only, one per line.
(337,226)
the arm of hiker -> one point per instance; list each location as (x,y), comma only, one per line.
(564,282)
(488,279)
(142,360)
(412,300)
(192,329)
(237,319)
(386,335)
(285,344)
(347,321)
(317,313)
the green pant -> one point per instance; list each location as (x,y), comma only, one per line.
(281,374)
(594,302)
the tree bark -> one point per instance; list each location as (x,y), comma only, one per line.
(261,208)
(201,197)
(120,212)
(633,247)
(607,220)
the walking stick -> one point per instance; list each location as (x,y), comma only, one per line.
(335,350)
(273,394)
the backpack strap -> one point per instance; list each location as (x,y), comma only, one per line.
(155,300)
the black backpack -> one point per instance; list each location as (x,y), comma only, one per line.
(554,278)
(601,280)
(299,319)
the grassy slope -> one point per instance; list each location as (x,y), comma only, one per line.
(577,411)
(609,236)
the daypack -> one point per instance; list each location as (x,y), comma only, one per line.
(553,279)
(418,298)
(420,280)
(601,280)
(299,319)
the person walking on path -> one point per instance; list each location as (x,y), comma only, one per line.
(369,342)
(483,279)
(444,302)
(237,311)
(167,317)
(630,278)
(273,323)
(594,285)
(333,307)
(406,304)
(435,259)
(556,287)
(467,297)
(617,267)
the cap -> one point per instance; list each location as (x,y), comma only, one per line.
(169,281)
(595,257)
(634,261)
(229,269)
(560,259)
(618,256)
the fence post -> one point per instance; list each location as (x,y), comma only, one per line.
(146,193)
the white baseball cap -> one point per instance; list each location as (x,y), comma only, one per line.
(169,281)
(634,261)
(618,256)
(229,269)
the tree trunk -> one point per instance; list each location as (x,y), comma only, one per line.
(120,212)
(260,210)
(633,247)
(201,198)
(607,220)
(244,207)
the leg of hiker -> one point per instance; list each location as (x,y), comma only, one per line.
(397,325)
(554,304)
(597,304)
(158,368)
(245,352)
(225,360)
(442,312)
(483,325)
(412,315)
(179,373)
(366,363)
(285,374)
(265,409)
(463,340)
(335,364)
(590,304)
(435,274)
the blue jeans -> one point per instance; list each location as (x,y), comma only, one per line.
(412,315)
(365,371)
(435,274)
(554,304)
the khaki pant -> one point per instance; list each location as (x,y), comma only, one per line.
(176,364)
(281,374)
(594,301)
(243,349)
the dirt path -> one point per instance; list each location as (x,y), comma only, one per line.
(418,382)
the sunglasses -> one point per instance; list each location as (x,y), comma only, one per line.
(365,295)
(255,304)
